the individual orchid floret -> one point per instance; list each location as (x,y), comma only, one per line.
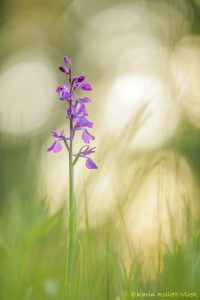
(85,86)
(64,69)
(78,111)
(56,145)
(62,88)
(66,96)
(64,92)
(79,78)
(82,123)
(87,137)
(90,164)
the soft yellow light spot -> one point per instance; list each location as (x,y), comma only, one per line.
(26,93)
(132,94)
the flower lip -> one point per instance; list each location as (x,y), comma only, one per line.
(55,147)
(87,137)
(90,164)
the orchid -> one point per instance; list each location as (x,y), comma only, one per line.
(76,112)
(89,162)
(56,145)
(77,118)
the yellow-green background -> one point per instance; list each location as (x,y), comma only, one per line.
(139,212)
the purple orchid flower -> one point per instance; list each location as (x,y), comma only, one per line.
(64,92)
(62,88)
(87,137)
(56,145)
(90,164)
(79,78)
(79,111)
(76,114)
(64,69)
(82,123)
(85,86)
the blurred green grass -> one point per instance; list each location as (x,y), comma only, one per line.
(33,243)
(33,252)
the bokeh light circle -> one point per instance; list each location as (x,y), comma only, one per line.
(26,94)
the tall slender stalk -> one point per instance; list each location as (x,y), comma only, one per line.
(71,237)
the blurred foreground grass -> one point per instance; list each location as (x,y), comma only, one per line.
(33,252)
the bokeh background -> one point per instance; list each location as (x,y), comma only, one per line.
(139,212)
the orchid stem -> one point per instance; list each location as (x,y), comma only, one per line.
(66,143)
(71,238)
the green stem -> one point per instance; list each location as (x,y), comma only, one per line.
(71,237)
(71,170)
(66,144)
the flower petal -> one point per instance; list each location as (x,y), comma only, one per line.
(83,122)
(88,151)
(63,69)
(87,137)
(83,100)
(79,110)
(54,133)
(51,148)
(90,164)
(85,86)
(57,147)
(62,88)
(65,95)
(80,78)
